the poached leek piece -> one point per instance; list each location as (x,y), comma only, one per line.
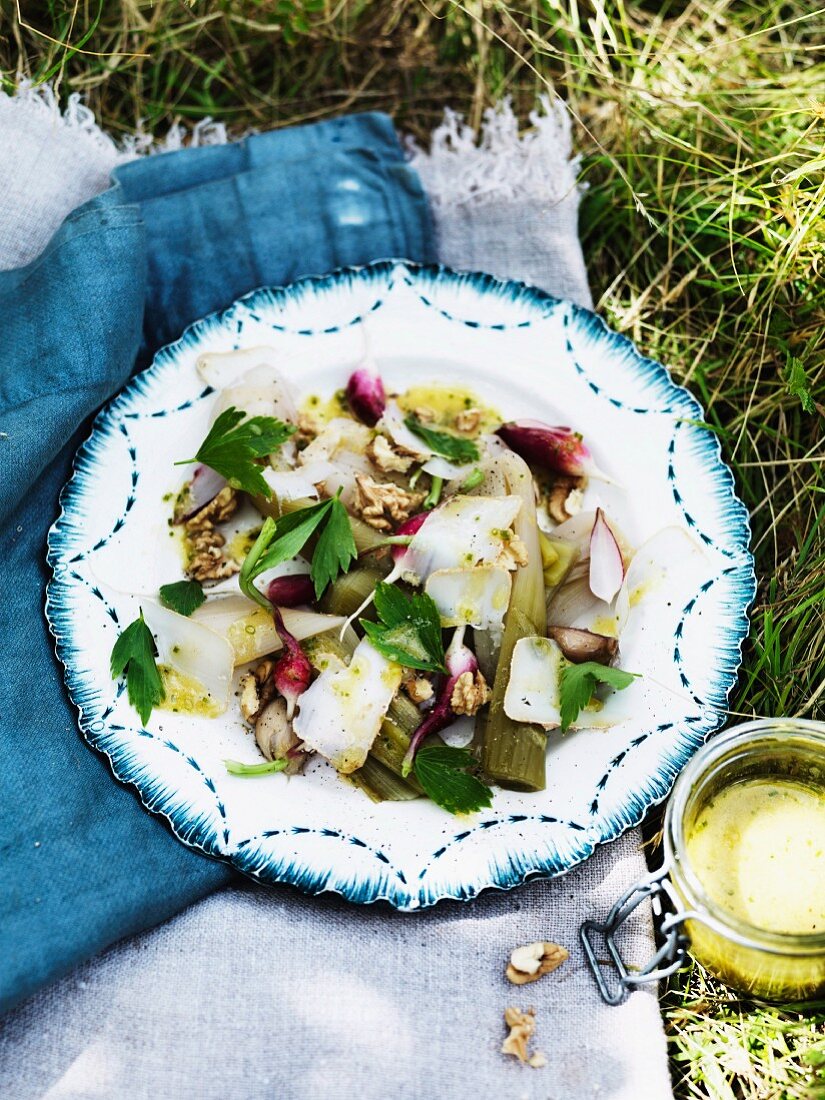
(400,583)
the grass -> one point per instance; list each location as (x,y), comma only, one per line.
(702,124)
(730,1049)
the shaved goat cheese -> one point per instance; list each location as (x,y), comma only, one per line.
(341,713)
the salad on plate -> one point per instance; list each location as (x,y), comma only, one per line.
(401,583)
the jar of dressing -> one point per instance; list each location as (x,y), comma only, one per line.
(743,880)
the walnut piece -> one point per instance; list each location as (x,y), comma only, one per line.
(521,1025)
(418,688)
(388,457)
(250,704)
(207,561)
(383,505)
(514,553)
(470,692)
(531,962)
(565,498)
(221,507)
(425,415)
(467,420)
(309,426)
(257,691)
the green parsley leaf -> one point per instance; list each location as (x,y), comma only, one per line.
(442,772)
(182,596)
(268,767)
(401,644)
(281,539)
(392,605)
(134,654)
(578,682)
(291,534)
(409,631)
(452,447)
(798,383)
(234,442)
(335,551)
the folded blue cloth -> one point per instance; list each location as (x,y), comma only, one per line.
(176,237)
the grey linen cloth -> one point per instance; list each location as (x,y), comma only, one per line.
(266,993)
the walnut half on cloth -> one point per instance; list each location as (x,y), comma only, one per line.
(531,962)
(521,1025)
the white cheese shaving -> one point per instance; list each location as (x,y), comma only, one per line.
(471,597)
(462,533)
(195,651)
(532,693)
(341,713)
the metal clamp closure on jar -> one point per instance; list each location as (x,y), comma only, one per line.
(669,918)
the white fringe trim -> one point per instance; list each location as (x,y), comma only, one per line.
(179,136)
(40,102)
(499,163)
(78,120)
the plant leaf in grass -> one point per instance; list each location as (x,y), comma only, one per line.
(443,774)
(798,383)
(235,441)
(134,654)
(409,630)
(182,596)
(578,682)
(452,447)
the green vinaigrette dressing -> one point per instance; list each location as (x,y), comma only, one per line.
(441,403)
(186,695)
(758,849)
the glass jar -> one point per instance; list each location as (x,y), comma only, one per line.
(763,963)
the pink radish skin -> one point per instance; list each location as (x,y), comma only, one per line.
(366,396)
(292,672)
(555,448)
(291,591)
(459,659)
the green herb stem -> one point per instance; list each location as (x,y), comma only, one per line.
(434,494)
(268,767)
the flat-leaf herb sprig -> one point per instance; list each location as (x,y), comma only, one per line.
(134,654)
(452,447)
(182,596)
(235,441)
(281,539)
(409,630)
(443,773)
(578,682)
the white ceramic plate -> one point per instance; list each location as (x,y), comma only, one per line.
(528,355)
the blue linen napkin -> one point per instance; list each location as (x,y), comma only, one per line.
(177,236)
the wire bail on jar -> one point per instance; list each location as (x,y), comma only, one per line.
(669,918)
